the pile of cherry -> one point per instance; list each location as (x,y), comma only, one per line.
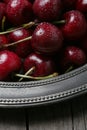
(40,39)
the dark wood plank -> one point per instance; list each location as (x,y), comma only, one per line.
(56,117)
(70,115)
(85,110)
(78,114)
(12,119)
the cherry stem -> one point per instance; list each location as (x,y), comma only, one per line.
(29,72)
(37,78)
(29,25)
(69,69)
(3,23)
(17,42)
(59,22)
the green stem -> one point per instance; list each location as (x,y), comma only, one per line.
(37,78)
(27,25)
(17,42)
(3,23)
(29,72)
(59,22)
(69,69)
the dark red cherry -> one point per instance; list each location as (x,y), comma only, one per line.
(82,6)
(24,48)
(3,40)
(19,11)
(43,65)
(75,26)
(2,11)
(47,38)
(73,55)
(9,63)
(47,10)
(6,1)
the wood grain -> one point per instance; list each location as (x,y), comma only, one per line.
(57,117)
(78,114)
(12,119)
(84,104)
(69,115)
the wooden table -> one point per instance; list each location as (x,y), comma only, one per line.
(68,115)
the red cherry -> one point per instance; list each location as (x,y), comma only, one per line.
(6,1)
(75,26)
(43,65)
(82,6)
(3,40)
(73,55)
(19,11)
(2,11)
(47,38)
(9,62)
(24,48)
(47,10)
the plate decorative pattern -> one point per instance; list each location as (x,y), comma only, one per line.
(15,94)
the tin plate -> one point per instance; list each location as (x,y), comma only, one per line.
(60,88)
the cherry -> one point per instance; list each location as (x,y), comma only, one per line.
(6,1)
(47,38)
(44,37)
(9,63)
(75,26)
(82,6)
(3,40)
(2,11)
(43,65)
(47,10)
(72,55)
(24,48)
(19,11)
